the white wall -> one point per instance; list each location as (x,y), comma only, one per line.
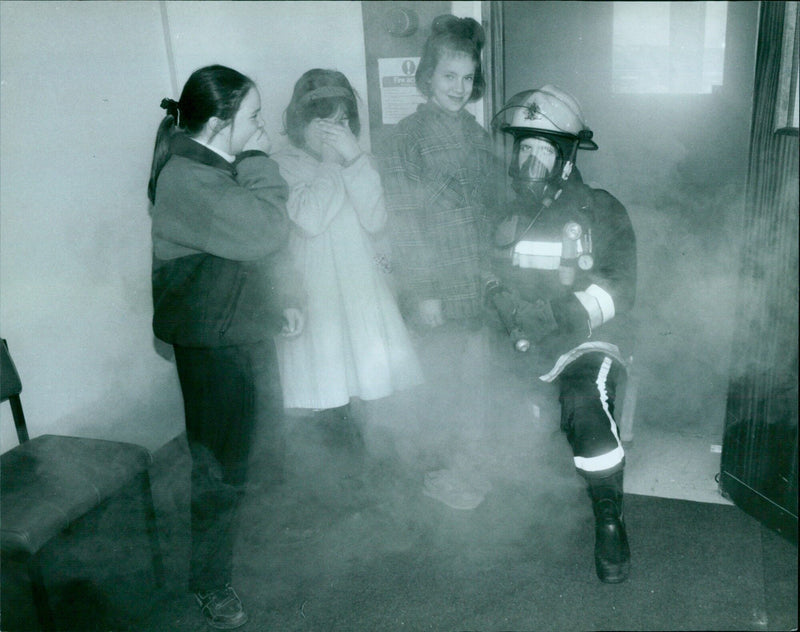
(77,131)
(80,87)
(272,42)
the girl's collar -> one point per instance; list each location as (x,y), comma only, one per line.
(225,155)
(433,108)
(183,145)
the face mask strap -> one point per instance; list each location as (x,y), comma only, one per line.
(570,162)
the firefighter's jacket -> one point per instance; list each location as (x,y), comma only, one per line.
(571,268)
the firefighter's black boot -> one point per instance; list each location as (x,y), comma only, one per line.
(611,551)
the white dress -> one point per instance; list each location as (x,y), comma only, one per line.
(354,343)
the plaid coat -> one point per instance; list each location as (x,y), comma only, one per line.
(443,187)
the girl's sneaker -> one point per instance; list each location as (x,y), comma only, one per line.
(222,608)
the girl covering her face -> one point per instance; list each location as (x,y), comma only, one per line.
(355,344)
(221,293)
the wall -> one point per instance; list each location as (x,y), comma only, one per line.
(78,120)
(81,85)
(679,163)
(272,42)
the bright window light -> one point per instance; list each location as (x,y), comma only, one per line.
(668,47)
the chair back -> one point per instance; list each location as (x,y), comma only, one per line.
(10,388)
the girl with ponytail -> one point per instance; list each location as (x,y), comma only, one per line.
(219,228)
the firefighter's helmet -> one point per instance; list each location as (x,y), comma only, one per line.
(548,127)
(545,111)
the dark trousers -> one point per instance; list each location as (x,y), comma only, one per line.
(227,393)
(587,396)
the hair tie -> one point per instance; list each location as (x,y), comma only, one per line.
(325,92)
(173,109)
(466,28)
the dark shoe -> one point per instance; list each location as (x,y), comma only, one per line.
(612,554)
(222,608)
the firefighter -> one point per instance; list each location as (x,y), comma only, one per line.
(563,283)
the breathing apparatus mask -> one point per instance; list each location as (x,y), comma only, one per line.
(548,127)
(536,165)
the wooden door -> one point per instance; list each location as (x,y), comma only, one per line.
(759,452)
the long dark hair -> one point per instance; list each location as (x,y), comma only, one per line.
(210,91)
(450,34)
(319,93)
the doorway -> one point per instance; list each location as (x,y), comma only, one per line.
(675,154)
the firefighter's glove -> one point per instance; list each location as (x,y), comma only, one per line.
(536,319)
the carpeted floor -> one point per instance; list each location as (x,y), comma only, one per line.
(325,551)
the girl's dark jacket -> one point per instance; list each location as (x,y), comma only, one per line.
(221,275)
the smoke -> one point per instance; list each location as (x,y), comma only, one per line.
(693,246)
(689,252)
(481,414)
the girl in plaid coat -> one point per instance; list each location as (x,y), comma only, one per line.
(443,181)
(443,185)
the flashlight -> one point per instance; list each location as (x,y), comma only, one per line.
(570,236)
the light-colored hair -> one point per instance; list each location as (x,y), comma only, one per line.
(449,35)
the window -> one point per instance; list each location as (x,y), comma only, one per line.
(668,47)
